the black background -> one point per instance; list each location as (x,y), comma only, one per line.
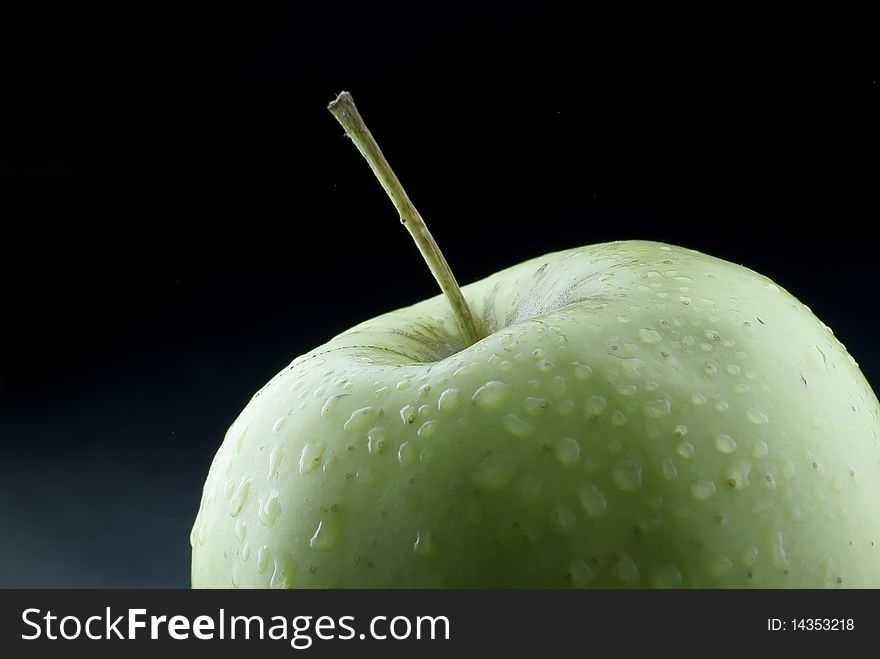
(180,216)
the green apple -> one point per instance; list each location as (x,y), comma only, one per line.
(630,414)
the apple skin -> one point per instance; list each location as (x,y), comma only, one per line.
(638,415)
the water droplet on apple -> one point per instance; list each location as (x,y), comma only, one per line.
(750,556)
(325,536)
(777,552)
(449,401)
(427,429)
(408,414)
(592,501)
(546,365)
(685,450)
(760,450)
(466,370)
(535,406)
(491,395)
(725,443)
(494,472)
(270,509)
(626,389)
(579,573)
(425,545)
(330,406)
(669,470)
(655,409)
(568,452)
(650,336)
(734,369)
(245,551)
(329,464)
(582,371)
(626,570)
(239,496)
(741,388)
(666,576)
(618,418)
(594,406)
(275,458)
(702,490)
(240,529)
(564,520)
(756,416)
(376,439)
(311,456)
(279,424)
(403,385)
(738,474)
(238,442)
(264,555)
(236,574)
(360,419)
(284,572)
(517,427)
(558,386)
(627,475)
(720,566)
(407,454)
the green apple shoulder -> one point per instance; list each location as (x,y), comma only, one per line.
(637,415)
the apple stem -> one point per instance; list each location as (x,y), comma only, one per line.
(343,108)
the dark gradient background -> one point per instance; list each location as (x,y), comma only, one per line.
(180,216)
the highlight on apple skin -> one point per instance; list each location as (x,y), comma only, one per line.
(635,415)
